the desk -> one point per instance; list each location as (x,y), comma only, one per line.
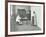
(24,21)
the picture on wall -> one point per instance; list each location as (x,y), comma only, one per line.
(25,18)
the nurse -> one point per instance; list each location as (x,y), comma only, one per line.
(18,19)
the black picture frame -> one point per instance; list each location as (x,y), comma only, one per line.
(6,17)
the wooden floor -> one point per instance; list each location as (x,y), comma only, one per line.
(26,28)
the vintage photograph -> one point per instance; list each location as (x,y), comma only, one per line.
(25,18)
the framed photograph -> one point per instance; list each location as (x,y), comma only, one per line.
(25,18)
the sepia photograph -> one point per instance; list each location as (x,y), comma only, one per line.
(24,18)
